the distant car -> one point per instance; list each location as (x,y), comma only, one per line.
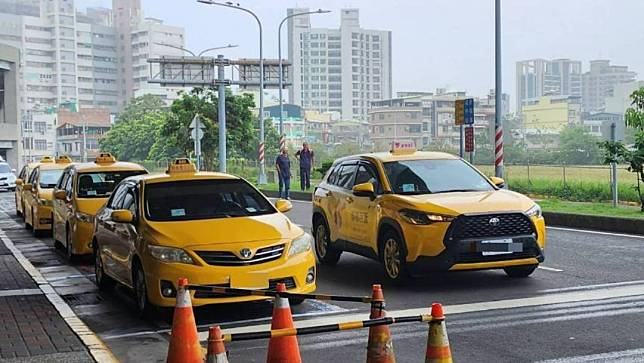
(79,193)
(38,194)
(7,176)
(424,211)
(213,228)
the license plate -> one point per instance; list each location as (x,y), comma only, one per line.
(249,281)
(499,247)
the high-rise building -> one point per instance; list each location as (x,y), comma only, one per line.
(599,82)
(9,112)
(540,77)
(341,69)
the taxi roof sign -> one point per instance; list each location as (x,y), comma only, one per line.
(181,165)
(399,147)
(63,159)
(47,159)
(105,158)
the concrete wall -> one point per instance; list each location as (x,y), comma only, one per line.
(9,110)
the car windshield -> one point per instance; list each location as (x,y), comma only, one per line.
(101,184)
(5,168)
(434,176)
(49,178)
(203,199)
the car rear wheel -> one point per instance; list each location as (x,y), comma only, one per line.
(143,305)
(103,281)
(520,271)
(393,257)
(28,222)
(326,254)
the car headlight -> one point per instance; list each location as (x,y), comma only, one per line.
(535,211)
(300,244)
(84,217)
(170,254)
(423,218)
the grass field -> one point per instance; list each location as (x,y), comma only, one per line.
(600,209)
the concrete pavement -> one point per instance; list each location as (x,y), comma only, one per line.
(587,304)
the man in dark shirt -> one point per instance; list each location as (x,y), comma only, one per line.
(283,166)
(306,159)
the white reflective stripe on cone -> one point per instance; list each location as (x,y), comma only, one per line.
(183,298)
(217,358)
(281,303)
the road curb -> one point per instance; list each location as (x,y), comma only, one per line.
(555,219)
(96,347)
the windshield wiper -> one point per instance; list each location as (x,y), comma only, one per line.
(458,190)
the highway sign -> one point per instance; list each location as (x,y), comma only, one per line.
(459,112)
(468,111)
(469,139)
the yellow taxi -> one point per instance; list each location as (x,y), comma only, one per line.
(424,211)
(23,177)
(37,196)
(213,228)
(80,192)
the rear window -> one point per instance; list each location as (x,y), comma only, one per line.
(101,184)
(203,199)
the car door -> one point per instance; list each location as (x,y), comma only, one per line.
(106,233)
(18,193)
(362,209)
(58,223)
(124,246)
(344,197)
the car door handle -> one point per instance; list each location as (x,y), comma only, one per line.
(349,199)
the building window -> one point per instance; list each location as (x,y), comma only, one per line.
(40,144)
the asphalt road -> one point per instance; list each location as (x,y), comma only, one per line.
(585,304)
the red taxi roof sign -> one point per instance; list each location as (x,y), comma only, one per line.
(181,165)
(105,158)
(403,147)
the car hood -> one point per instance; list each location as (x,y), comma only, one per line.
(90,205)
(470,202)
(7,176)
(186,234)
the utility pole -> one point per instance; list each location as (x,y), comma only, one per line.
(498,96)
(222,114)
(613,167)
(84,139)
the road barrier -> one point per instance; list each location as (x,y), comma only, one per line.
(283,346)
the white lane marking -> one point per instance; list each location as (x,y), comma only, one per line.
(552,269)
(549,299)
(631,355)
(596,232)
(99,351)
(20,292)
(591,287)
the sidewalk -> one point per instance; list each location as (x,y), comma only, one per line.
(37,325)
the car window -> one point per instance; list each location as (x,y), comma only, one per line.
(101,184)
(333,175)
(23,171)
(203,199)
(345,178)
(49,178)
(117,198)
(367,174)
(5,168)
(68,185)
(33,176)
(129,201)
(62,181)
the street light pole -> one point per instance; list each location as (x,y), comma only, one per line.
(279,56)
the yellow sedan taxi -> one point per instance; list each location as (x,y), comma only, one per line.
(23,178)
(38,194)
(424,211)
(213,228)
(80,192)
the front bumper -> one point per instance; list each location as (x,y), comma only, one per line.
(291,271)
(7,185)
(82,233)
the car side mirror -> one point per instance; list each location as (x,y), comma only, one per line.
(499,182)
(27,187)
(19,181)
(283,205)
(122,216)
(363,190)
(60,194)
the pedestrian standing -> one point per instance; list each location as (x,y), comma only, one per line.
(283,166)
(306,157)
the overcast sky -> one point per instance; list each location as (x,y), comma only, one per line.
(436,43)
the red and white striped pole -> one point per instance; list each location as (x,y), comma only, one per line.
(261,154)
(498,151)
(282,142)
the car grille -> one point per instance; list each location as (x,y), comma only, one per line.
(272,285)
(479,226)
(227,258)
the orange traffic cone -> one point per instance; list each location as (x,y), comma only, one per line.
(437,343)
(380,348)
(216,349)
(282,349)
(184,341)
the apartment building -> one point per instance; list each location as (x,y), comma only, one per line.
(541,77)
(551,113)
(599,83)
(338,69)
(78,133)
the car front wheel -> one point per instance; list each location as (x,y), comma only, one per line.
(143,304)
(393,257)
(326,254)
(103,281)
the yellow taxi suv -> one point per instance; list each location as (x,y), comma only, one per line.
(80,192)
(424,211)
(38,194)
(23,178)
(213,228)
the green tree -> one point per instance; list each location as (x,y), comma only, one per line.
(615,151)
(578,146)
